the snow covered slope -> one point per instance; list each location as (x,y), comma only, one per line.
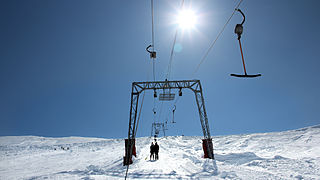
(282,155)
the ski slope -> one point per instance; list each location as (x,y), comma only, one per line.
(279,155)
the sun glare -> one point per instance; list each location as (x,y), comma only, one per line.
(186,19)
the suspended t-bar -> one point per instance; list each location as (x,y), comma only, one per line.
(153,54)
(173,110)
(239,30)
(139,87)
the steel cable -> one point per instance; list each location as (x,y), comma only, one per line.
(214,42)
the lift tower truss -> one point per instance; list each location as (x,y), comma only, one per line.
(139,87)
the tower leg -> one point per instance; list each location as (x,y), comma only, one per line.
(207,142)
(130,142)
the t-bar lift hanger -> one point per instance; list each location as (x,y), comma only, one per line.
(238,30)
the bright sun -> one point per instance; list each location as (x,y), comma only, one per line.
(186,19)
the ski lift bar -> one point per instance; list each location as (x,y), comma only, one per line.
(239,30)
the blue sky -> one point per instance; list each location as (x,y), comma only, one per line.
(66,67)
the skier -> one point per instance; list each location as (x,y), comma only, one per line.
(156,150)
(152,151)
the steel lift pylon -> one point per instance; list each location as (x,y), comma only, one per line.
(139,87)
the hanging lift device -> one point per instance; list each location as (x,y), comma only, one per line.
(174,109)
(152,53)
(239,30)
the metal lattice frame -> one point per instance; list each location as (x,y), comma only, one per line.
(139,87)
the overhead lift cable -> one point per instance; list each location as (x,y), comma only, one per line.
(153,54)
(171,56)
(170,60)
(152,57)
(172,48)
(214,42)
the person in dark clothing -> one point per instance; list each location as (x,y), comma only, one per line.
(152,151)
(156,150)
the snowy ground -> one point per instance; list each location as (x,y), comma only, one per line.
(282,155)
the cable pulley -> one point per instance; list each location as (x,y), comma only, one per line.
(239,30)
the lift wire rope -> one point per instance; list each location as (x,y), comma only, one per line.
(214,42)
(171,55)
(165,120)
(154,78)
(174,105)
(152,43)
(161,109)
(170,62)
(172,48)
(148,76)
(153,59)
(159,116)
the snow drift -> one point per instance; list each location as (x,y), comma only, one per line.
(279,155)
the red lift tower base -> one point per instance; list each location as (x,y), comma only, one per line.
(208,153)
(126,159)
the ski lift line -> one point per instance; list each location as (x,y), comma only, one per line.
(159,116)
(148,76)
(125,178)
(173,110)
(172,48)
(171,56)
(214,42)
(152,43)
(174,104)
(141,107)
(154,111)
(152,22)
(152,16)
(153,70)
(152,53)
(138,120)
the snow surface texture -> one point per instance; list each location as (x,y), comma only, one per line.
(281,155)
